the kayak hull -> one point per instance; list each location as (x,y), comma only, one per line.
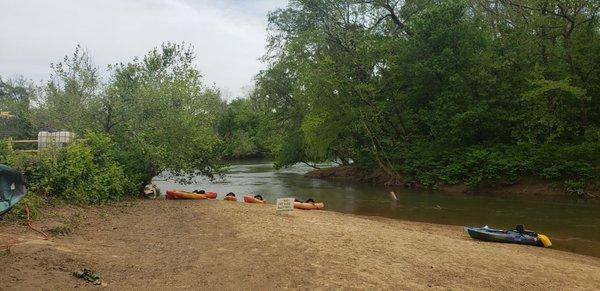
(177,194)
(309,206)
(12,188)
(251,199)
(503,236)
(230,198)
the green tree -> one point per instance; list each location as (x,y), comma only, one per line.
(70,96)
(241,128)
(161,115)
(436,90)
(16,97)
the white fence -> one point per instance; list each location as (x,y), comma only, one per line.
(45,139)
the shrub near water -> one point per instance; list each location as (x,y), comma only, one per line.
(575,164)
(84,172)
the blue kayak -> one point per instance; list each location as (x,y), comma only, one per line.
(12,188)
(518,236)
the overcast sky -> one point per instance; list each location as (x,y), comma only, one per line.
(228,35)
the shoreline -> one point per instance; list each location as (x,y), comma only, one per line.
(526,185)
(225,245)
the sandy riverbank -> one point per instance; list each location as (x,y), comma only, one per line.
(227,245)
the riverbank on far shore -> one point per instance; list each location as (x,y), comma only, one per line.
(523,185)
(214,244)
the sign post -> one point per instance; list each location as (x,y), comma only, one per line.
(285,205)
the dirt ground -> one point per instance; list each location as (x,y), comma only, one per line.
(226,245)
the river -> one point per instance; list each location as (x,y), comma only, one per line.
(573,225)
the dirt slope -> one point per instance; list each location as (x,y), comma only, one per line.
(227,245)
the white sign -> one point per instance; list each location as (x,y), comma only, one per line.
(285,204)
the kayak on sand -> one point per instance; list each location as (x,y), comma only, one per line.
(309,206)
(178,194)
(519,236)
(253,199)
(230,197)
(12,188)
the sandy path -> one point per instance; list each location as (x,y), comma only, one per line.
(226,245)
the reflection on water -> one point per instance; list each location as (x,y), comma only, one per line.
(573,225)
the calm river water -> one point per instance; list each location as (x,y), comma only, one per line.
(573,225)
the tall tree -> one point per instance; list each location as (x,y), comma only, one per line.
(70,96)
(16,98)
(162,115)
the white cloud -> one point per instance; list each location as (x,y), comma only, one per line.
(229,36)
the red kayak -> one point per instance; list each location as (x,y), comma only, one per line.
(178,194)
(309,206)
(251,199)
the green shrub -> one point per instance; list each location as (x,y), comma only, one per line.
(429,164)
(6,155)
(85,172)
(31,201)
(574,187)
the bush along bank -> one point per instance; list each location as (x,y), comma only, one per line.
(524,169)
(86,172)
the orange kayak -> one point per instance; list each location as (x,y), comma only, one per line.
(177,194)
(309,206)
(251,199)
(230,198)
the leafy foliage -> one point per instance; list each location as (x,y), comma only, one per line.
(437,91)
(161,115)
(473,91)
(70,97)
(152,114)
(84,172)
(243,129)
(16,97)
